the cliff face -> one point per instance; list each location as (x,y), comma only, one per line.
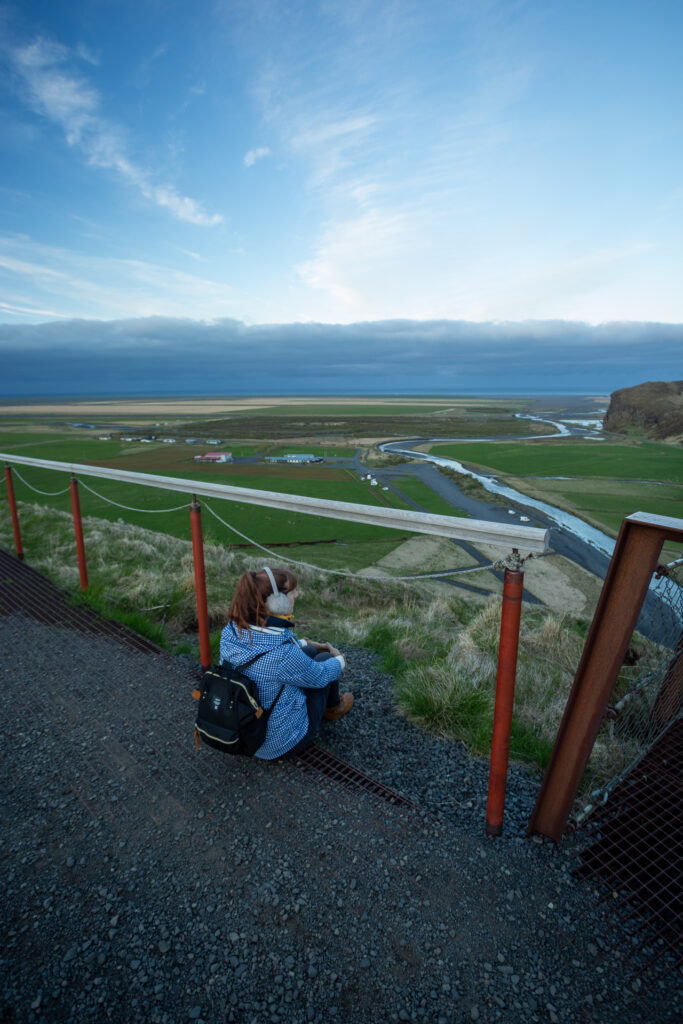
(654,409)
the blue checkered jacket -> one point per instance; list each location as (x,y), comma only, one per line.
(285,663)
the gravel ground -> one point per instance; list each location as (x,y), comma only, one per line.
(148,882)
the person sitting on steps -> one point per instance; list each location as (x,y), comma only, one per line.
(261,619)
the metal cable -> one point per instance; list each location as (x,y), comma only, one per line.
(502,563)
(47,494)
(129,508)
(512,561)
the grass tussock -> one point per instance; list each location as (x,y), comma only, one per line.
(441,650)
(453,691)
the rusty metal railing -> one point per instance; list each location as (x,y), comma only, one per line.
(626,585)
(529,539)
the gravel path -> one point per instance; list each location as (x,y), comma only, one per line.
(147,882)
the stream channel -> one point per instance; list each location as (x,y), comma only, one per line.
(570,536)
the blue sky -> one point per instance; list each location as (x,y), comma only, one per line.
(175,174)
(271,162)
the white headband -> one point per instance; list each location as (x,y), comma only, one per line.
(270,576)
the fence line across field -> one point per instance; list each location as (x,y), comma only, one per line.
(508,562)
(512,561)
(508,535)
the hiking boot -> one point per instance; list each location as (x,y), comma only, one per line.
(340,709)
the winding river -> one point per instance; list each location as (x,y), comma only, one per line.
(572,537)
(580,529)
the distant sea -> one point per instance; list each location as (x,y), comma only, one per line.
(49,396)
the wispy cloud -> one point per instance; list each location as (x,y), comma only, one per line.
(86,54)
(73,104)
(348,252)
(9,309)
(396,172)
(66,283)
(253,155)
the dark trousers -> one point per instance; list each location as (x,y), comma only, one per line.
(317,700)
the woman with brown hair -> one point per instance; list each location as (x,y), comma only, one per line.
(298,678)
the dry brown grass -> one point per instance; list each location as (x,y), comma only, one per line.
(441,649)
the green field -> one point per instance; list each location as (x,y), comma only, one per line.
(325,451)
(605,480)
(239,451)
(608,501)
(602,483)
(425,496)
(643,461)
(67,449)
(266,526)
(10,439)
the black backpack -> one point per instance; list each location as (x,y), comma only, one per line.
(230,717)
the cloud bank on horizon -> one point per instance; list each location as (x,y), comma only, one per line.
(341,161)
(156,355)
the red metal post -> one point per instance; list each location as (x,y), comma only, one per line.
(13,512)
(513,587)
(628,578)
(200,583)
(78,530)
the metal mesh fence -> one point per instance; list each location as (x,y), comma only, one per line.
(648,695)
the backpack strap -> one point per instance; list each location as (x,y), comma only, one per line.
(260,655)
(266,711)
(251,660)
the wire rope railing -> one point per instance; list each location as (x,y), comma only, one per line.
(501,563)
(513,537)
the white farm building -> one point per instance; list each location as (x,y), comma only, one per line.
(214,457)
(293,457)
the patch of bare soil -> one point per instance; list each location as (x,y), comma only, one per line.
(429,554)
(560,584)
(205,406)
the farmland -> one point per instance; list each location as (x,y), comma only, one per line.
(424,496)
(600,482)
(147,573)
(634,461)
(272,527)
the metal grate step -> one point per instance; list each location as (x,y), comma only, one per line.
(317,759)
(25,591)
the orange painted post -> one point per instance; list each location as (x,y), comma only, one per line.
(78,530)
(513,588)
(13,513)
(200,583)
